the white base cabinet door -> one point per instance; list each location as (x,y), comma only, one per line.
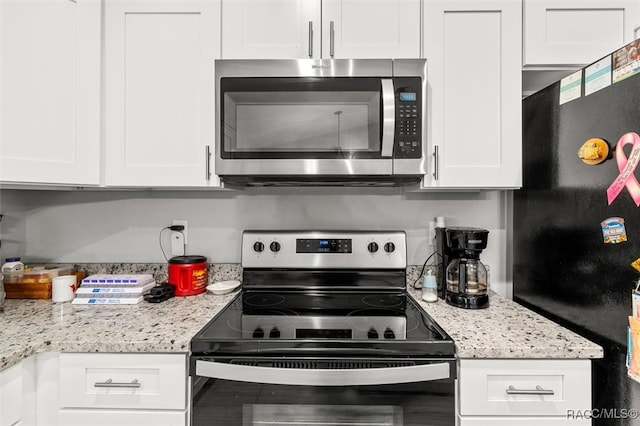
(122,418)
(520,421)
(11,395)
(159,99)
(50,92)
(474,93)
(576,32)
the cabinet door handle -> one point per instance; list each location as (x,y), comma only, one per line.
(109,383)
(537,391)
(207,160)
(310,39)
(331,39)
(435,162)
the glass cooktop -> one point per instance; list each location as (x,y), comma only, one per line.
(323,323)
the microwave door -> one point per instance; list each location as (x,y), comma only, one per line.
(336,127)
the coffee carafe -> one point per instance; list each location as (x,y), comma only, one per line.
(466,276)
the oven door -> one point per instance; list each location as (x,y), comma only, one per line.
(298,392)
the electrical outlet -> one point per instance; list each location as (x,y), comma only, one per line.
(432,233)
(184,232)
(177,243)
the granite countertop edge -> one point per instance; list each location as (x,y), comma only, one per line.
(504,330)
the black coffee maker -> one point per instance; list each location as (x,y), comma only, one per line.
(461,277)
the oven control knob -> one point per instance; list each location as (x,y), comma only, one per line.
(389,247)
(372,247)
(258,246)
(372,333)
(389,334)
(274,333)
(258,333)
(274,246)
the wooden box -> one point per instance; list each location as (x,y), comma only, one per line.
(35,290)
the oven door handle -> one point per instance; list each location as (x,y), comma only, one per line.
(388,117)
(323,377)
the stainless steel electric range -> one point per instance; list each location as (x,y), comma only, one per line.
(322,333)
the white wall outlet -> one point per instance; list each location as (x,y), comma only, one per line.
(184,231)
(179,239)
(177,243)
(432,233)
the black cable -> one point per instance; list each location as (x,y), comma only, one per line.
(160,241)
(173,228)
(424,265)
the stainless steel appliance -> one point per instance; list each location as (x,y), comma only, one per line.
(323,333)
(462,276)
(321,122)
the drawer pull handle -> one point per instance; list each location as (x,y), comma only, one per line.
(537,391)
(111,384)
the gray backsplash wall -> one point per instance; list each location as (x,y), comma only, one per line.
(100,226)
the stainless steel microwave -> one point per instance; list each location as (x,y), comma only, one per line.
(320,122)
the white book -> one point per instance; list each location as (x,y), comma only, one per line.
(107,300)
(100,291)
(117,280)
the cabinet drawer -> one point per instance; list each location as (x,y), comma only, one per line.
(521,421)
(491,387)
(144,381)
(122,418)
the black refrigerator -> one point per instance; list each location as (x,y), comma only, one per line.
(577,219)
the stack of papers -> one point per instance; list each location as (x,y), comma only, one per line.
(113,289)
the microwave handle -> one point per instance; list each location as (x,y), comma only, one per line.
(388,117)
(323,377)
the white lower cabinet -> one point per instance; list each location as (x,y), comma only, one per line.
(123,389)
(11,395)
(523,392)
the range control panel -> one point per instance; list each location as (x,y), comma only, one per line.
(324,249)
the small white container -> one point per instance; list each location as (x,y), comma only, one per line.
(429,287)
(12,269)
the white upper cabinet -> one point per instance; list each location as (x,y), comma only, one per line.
(474,95)
(577,32)
(50,92)
(270,29)
(159,100)
(293,29)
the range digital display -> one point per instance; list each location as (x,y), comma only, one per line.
(323,245)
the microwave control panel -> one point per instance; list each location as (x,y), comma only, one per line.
(408,142)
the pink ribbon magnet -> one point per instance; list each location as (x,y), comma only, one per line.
(627,168)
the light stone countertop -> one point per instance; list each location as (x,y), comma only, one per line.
(28,327)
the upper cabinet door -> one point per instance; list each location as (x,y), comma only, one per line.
(159,98)
(474,94)
(297,29)
(577,32)
(371,29)
(271,29)
(50,92)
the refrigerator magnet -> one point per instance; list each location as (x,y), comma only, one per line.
(613,230)
(594,151)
